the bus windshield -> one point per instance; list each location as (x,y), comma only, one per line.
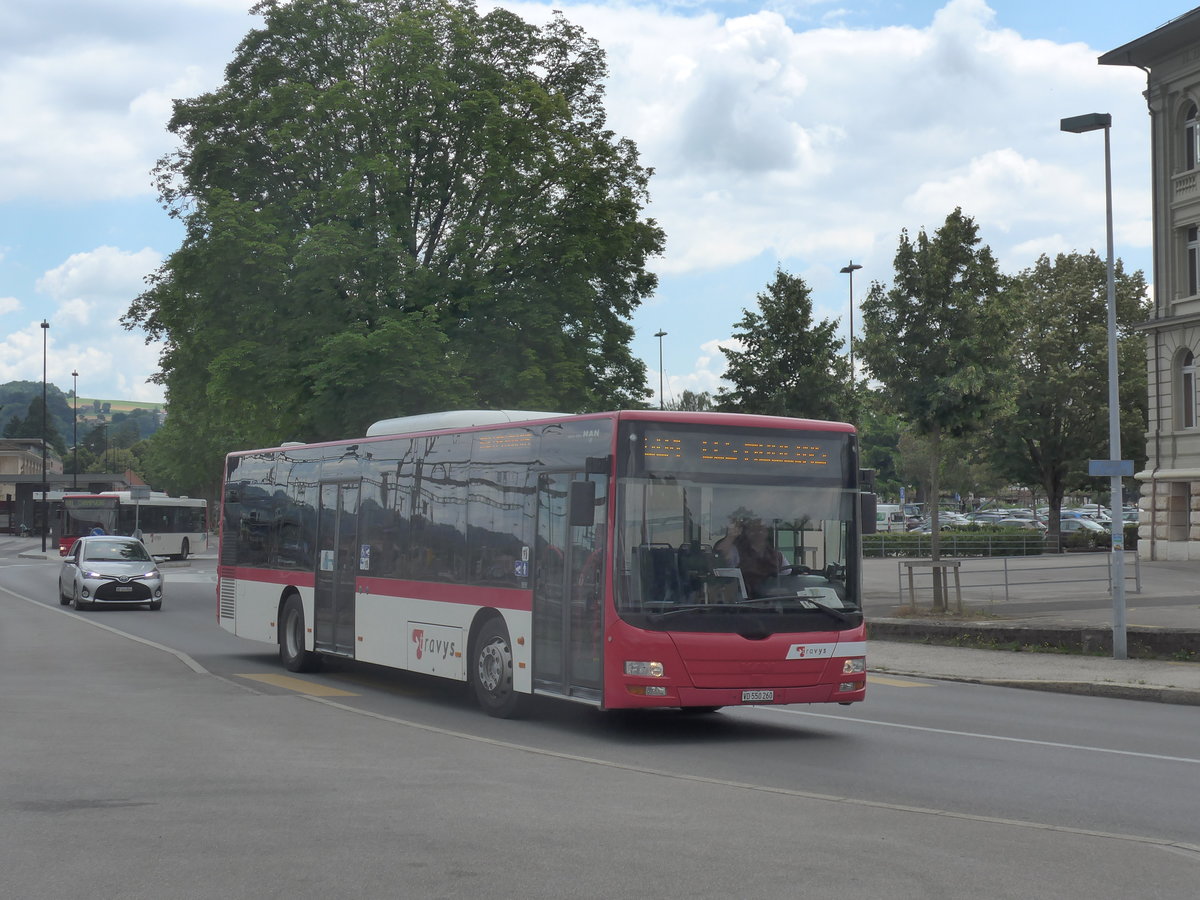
(764,529)
(89,515)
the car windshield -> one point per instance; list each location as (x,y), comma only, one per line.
(700,554)
(115,551)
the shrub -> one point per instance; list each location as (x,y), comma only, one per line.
(985,540)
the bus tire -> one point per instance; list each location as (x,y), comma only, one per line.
(492,670)
(291,639)
(184,549)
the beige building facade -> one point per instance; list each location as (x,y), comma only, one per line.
(1170,484)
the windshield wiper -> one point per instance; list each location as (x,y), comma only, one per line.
(814,604)
(694,607)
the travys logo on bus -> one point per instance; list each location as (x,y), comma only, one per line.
(435,647)
(810,651)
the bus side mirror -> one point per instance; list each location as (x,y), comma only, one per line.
(581,500)
(867,512)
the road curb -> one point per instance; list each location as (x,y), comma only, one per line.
(1150,693)
(1141,643)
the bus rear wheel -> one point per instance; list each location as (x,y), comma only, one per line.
(184,550)
(492,674)
(291,639)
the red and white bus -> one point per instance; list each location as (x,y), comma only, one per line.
(168,526)
(603,558)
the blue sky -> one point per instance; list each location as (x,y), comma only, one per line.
(800,134)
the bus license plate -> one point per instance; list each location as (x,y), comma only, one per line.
(758,696)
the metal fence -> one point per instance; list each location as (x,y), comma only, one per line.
(1008,573)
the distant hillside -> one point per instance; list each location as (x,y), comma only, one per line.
(119,405)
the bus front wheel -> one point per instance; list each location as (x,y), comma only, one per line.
(291,639)
(493,670)
(184,550)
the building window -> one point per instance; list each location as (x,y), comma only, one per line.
(1193,261)
(1191,139)
(1187,393)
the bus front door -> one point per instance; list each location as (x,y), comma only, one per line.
(337,568)
(568,587)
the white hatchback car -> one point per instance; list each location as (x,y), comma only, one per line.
(109,570)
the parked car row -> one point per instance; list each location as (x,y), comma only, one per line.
(1078,527)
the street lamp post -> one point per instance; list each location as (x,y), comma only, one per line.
(75,429)
(660,334)
(850,270)
(45,485)
(1079,125)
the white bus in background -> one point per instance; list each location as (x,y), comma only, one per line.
(168,526)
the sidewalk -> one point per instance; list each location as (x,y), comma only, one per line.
(1045,599)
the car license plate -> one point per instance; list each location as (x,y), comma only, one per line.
(126,588)
(758,696)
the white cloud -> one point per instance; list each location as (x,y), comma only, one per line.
(90,292)
(9,305)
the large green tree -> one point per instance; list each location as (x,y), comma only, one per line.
(37,424)
(938,340)
(392,207)
(786,364)
(1059,417)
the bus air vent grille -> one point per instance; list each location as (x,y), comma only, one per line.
(228,598)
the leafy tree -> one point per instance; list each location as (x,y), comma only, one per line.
(115,462)
(36,425)
(790,366)
(16,396)
(879,437)
(392,208)
(938,340)
(1059,418)
(692,401)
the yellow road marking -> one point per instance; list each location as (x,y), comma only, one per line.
(299,685)
(893,682)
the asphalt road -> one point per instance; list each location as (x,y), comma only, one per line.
(168,767)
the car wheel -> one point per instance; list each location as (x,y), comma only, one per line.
(77,604)
(291,639)
(63,599)
(156,604)
(493,671)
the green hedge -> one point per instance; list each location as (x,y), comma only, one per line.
(984,540)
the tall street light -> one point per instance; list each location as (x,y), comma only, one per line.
(660,334)
(75,429)
(1114,468)
(45,485)
(850,270)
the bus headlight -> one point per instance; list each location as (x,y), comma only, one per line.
(644,669)
(855,666)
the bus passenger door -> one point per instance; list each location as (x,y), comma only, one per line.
(337,568)
(568,589)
